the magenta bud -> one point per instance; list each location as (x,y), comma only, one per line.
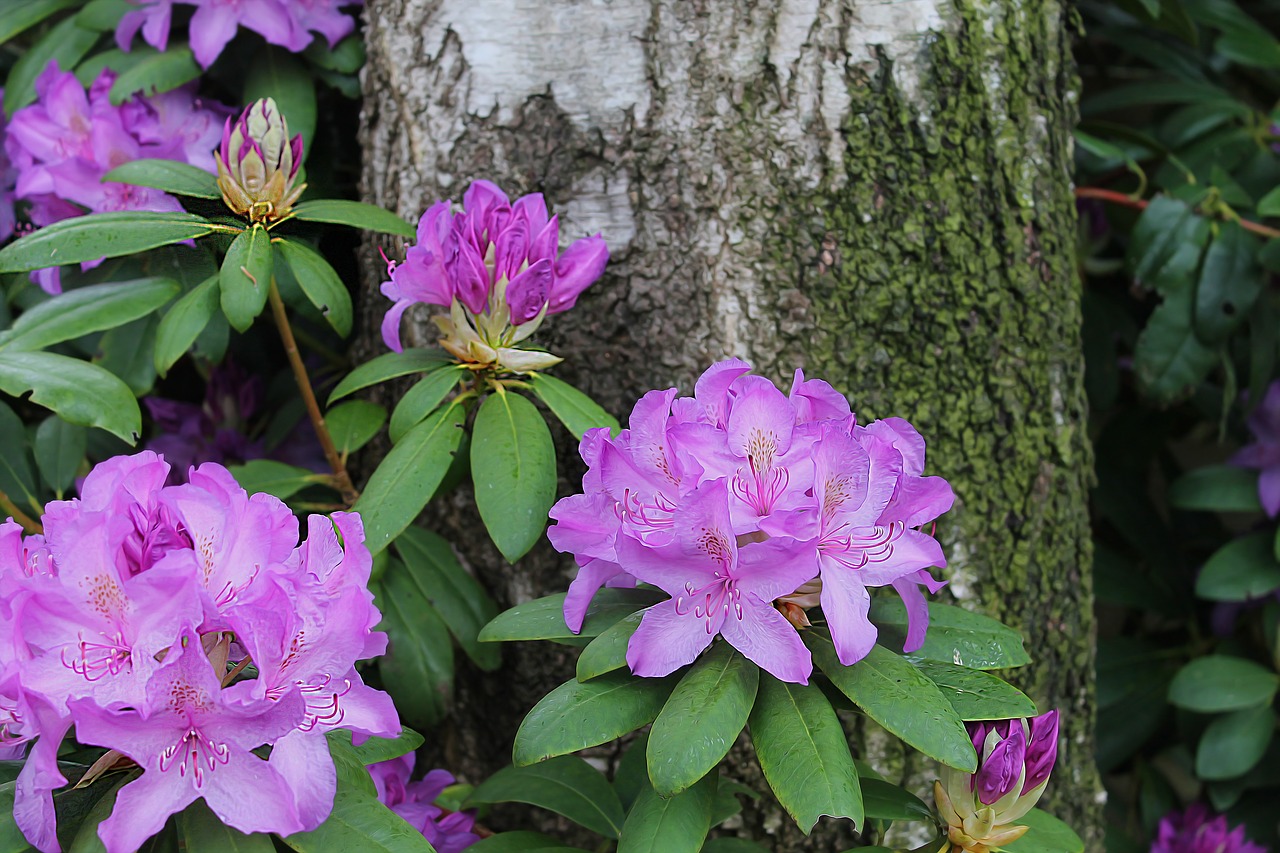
(999,771)
(580,266)
(1042,749)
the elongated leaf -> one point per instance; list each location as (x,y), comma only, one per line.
(566,785)
(59,450)
(883,801)
(245,278)
(543,618)
(1047,835)
(423,398)
(1218,488)
(1169,359)
(79,392)
(274,478)
(86,310)
(17,480)
(408,476)
(354,213)
(1242,569)
(977,695)
(99,235)
(804,754)
(461,601)
(156,72)
(171,176)
(576,715)
(955,636)
(389,366)
(11,838)
(86,839)
(513,466)
(417,669)
(1222,683)
(353,423)
(702,719)
(608,652)
(576,410)
(15,17)
(1229,283)
(319,282)
(65,44)
(676,824)
(182,325)
(1234,743)
(1167,243)
(376,749)
(204,832)
(519,842)
(103,15)
(360,822)
(276,73)
(1269,204)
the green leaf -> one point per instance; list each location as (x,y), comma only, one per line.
(99,235)
(566,785)
(1047,835)
(244,281)
(704,716)
(171,176)
(1166,244)
(519,842)
(155,72)
(608,652)
(388,366)
(81,393)
(513,467)
(1222,683)
(18,16)
(543,618)
(884,801)
(320,282)
(11,838)
(901,699)
(274,478)
(576,715)
(1150,94)
(345,58)
(1234,743)
(576,410)
(59,449)
(727,804)
(423,398)
(408,476)
(460,600)
(676,824)
(1169,358)
(85,310)
(86,839)
(804,754)
(418,668)
(729,844)
(276,73)
(354,423)
(204,832)
(102,15)
(66,44)
(360,822)
(1229,283)
(16,477)
(182,324)
(955,636)
(376,749)
(1243,569)
(1255,48)
(977,695)
(1217,488)
(354,213)
(1269,204)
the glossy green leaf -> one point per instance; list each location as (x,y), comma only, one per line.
(86,839)
(274,478)
(727,804)
(418,668)
(1222,683)
(901,699)
(423,398)
(513,467)
(60,448)
(884,801)
(11,838)
(65,44)
(79,392)
(1269,204)
(354,213)
(408,476)
(1234,743)
(351,771)
(155,72)
(244,281)
(676,824)
(85,310)
(1228,285)
(276,73)
(543,618)
(519,842)
(1255,48)
(566,785)
(171,176)
(608,652)
(18,15)
(103,15)
(182,324)
(346,57)
(360,822)
(1169,359)
(320,282)
(1217,488)
(375,749)
(576,410)
(1166,245)
(1149,94)
(1047,835)
(1243,569)
(353,423)
(804,754)
(702,719)
(977,695)
(577,715)
(955,636)
(729,844)
(459,598)
(99,235)
(202,831)
(389,366)
(17,480)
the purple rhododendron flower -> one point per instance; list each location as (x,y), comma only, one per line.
(8,179)
(749,507)
(1264,453)
(1194,831)
(135,618)
(448,832)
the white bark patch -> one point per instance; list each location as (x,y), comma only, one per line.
(901,29)
(600,203)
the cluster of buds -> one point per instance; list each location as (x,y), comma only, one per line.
(495,266)
(258,163)
(1015,758)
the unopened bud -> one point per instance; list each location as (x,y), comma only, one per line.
(258,164)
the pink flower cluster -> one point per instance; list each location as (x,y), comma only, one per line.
(288,23)
(185,627)
(448,832)
(64,143)
(1194,831)
(749,506)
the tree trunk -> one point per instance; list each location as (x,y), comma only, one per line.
(876,191)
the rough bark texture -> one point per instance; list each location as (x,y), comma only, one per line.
(876,191)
